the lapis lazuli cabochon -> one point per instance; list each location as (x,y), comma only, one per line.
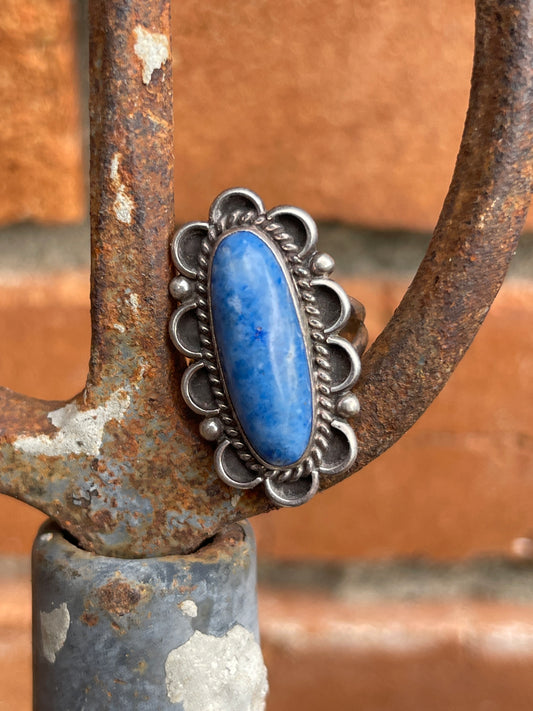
(261,348)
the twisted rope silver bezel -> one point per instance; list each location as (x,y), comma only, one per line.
(320,361)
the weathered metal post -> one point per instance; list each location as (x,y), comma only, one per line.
(121,467)
(144,632)
(147,633)
(177,631)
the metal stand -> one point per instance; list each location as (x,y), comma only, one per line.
(176,632)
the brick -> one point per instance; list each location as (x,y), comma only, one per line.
(19,524)
(45,327)
(458,484)
(15,602)
(15,670)
(467,656)
(40,135)
(353,111)
(15,643)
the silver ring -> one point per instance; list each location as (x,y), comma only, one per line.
(273,345)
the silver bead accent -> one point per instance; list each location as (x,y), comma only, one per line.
(211,428)
(348,405)
(180,288)
(322,263)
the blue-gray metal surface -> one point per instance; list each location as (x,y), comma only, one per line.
(115,634)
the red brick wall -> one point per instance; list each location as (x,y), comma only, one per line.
(40,138)
(353,111)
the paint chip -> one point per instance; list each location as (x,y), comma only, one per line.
(115,162)
(54,629)
(123,205)
(79,431)
(133,300)
(189,608)
(152,49)
(218,673)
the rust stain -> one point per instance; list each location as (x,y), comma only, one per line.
(89,619)
(230,537)
(118,597)
(103,520)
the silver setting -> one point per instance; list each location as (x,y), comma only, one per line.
(324,311)
(185,247)
(183,330)
(336,310)
(348,405)
(345,364)
(197,392)
(180,288)
(232,469)
(342,452)
(298,224)
(211,429)
(322,263)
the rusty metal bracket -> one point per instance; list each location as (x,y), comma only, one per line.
(121,466)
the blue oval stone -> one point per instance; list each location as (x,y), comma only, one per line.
(261,348)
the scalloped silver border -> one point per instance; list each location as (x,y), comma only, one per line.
(248,212)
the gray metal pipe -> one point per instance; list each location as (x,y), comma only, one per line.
(175,632)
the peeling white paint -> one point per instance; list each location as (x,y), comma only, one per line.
(218,673)
(123,205)
(153,50)
(133,301)
(115,161)
(189,608)
(79,431)
(119,327)
(235,499)
(54,629)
